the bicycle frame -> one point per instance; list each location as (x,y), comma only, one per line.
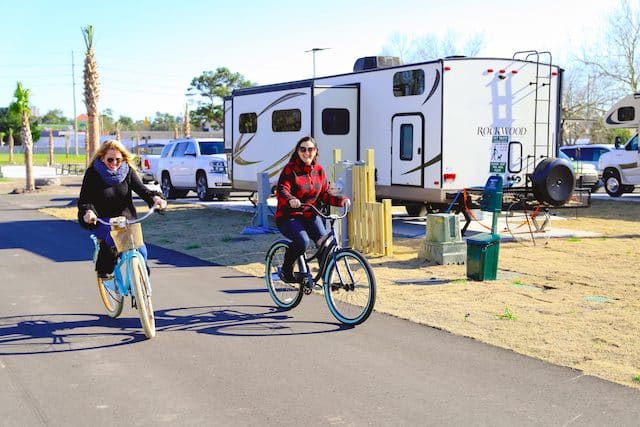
(123,262)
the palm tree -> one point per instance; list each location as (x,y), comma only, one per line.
(91,94)
(21,107)
(51,156)
(10,142)
(186,126)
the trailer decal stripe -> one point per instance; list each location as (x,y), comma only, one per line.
(280,100)
(240,147)
(435,160)
(436,83)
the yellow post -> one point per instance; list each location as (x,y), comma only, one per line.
(388,231)
(370,166)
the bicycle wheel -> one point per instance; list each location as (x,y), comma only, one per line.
(110,296)
(350,287)
(285,295)
(141,288)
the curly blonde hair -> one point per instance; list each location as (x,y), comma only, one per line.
(113,144)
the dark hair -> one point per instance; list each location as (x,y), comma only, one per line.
(307,138)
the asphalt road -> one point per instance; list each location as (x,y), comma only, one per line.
(225,356)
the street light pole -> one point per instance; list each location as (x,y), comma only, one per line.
(313,52)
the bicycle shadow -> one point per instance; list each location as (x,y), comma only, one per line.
(32,334)
(59,333)
(240,320)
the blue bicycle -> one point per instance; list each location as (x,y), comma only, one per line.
(130,275)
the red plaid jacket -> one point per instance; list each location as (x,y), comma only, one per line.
(307,183)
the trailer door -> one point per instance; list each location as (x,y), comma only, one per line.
(407,149)
(335,121)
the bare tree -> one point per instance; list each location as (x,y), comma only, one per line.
(621,42)
(429,46)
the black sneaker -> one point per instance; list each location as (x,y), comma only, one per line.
(289,277)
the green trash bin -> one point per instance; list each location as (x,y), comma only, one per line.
(482,256)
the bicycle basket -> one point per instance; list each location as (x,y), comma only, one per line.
(127,238)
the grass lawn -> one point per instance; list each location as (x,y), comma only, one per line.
(40,159)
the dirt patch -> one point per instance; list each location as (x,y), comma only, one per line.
(573,301)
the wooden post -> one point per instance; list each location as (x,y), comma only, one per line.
(388,231)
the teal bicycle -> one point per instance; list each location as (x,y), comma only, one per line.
(349,284)
(130,276)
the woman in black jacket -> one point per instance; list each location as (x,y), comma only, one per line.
(106,193)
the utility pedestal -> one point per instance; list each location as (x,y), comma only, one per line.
(443,243)
(483,249)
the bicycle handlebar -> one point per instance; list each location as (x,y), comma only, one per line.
(345,211)
(121,221)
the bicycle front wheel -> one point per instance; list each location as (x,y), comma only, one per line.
(350,287)
(285,295)
(112,299)
(141,288)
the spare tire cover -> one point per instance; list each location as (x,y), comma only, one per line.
(553,181)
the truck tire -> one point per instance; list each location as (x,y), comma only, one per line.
(168,191)
(553,181)
(612,183)
(202,187)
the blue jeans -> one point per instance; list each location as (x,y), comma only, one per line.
(103,233)
(301,231)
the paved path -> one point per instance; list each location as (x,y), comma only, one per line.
(224,356)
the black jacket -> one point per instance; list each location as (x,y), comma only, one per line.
(109,201)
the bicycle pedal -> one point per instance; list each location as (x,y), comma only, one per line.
(307,289)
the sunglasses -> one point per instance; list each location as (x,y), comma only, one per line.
(305,149)
(116,160)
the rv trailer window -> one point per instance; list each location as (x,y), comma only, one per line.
(626,114)
(248,123)
(335,121)
(406,83)
(515,157)
(406,142)
(286,120)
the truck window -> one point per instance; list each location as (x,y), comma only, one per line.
(571,152)
(180,149)
(190,150)
(211,147)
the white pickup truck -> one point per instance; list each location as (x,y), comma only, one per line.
(621,168)
(148,156)
(194,164)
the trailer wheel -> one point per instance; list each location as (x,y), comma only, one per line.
(418,209)
(553,181)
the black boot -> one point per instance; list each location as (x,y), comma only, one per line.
(290,258)
(106,260)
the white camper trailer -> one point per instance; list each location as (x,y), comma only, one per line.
(621,168)
(436,127)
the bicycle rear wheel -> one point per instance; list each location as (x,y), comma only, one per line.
(285,295)
(112,299)
(141,288)
(350,287)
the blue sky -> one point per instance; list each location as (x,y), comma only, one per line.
(148,51)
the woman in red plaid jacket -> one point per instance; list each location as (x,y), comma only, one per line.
(303,181)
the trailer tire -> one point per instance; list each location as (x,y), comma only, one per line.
(553,181)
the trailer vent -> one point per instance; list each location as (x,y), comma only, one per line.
(373,62)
